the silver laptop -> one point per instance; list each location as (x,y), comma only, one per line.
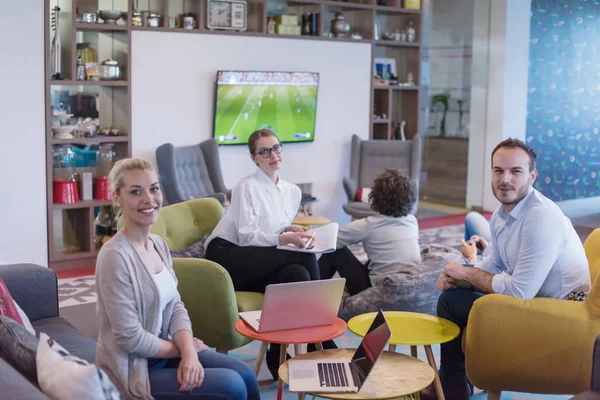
(341,376)
(297,305)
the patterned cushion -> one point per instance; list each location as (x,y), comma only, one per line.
(18,347)
(55,367)
(195,250)
(7,304)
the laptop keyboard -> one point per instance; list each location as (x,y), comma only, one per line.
(332,375)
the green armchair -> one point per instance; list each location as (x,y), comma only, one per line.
(205,286)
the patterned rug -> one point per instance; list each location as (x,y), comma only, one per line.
(82,290)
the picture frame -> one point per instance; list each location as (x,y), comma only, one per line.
(385,67)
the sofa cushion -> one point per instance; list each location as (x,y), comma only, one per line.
(15,386)
(18,347)
(85,381)
(68,336)
(7,304)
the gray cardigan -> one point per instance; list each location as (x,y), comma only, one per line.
(127,312)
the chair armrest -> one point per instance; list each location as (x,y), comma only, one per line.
(33,287)
(207,292)
(537,346)
(350,187)
(222,197)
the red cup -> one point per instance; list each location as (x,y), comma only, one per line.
(102,191)
(64,192)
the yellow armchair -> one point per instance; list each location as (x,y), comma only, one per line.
(205,286)
(537,346)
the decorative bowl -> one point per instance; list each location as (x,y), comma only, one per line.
(63,131)
(110,16)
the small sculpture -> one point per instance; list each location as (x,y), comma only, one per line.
(339,26)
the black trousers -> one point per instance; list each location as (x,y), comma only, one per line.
(455,305)
(252,268)
(349,267)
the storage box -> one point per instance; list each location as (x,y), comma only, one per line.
(412,4)
(286,19)
(287,29)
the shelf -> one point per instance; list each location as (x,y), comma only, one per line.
(167,29)
(396,10)
(73,255)
(395,87)
(295,3)
(348,6)
(393,43)
(82,204)
(381,121)
(82,26)
(89,83)
(92,140)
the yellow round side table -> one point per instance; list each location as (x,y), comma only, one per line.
(309,220)
(412,329)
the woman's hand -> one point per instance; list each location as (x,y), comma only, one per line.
(298,239)
(200,346)
(190,373)
(296,228)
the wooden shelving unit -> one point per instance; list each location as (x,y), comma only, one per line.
(397,102)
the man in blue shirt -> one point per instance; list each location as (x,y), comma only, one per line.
(534,252)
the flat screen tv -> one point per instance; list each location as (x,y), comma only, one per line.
(284,102)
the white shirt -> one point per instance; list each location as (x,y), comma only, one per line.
(535,251)
(167,289)
(260,210)
(391,243)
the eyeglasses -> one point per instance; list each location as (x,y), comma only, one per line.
(266,153)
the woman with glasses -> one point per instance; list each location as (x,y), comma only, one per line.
(259,219)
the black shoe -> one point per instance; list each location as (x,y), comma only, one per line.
(272,357)
(328,345)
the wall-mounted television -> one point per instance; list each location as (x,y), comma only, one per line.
(284,102)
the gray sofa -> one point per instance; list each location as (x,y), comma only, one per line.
(35,289)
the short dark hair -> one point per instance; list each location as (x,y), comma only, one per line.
(517,144)
(257,135)
(392,194)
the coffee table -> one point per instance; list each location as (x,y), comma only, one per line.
(394,375)
(315,334)
(309,220)
(412,329)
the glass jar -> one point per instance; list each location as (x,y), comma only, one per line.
(110,69)
(106,159)
(63,163)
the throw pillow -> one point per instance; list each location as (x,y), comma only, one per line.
(64,376)
(362,194)
(25,319)
(195,250)
(18,348)
(7,304)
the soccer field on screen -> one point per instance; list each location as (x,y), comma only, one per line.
(289,111)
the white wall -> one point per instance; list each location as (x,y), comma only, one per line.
(23,236)
(506,104)
(173,93)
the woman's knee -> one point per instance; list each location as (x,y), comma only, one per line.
(231,385)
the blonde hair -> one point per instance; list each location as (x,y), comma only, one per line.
(115,178)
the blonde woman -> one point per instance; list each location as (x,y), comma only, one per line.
(145,340)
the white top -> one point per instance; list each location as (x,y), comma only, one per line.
(260,210)
(391,243)
(535,251)
(167,289)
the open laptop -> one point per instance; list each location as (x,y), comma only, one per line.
(341,376)
(297,305)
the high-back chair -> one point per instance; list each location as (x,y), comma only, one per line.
(206,288)
(536,346)
(370,157)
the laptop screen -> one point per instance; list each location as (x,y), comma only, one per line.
(371,347)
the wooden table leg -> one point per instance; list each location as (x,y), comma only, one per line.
(413,351)
(436,379)
(392,348)
(297,349)
(301,396)
(494,395)
(282,355)
(319,345)
(260,357)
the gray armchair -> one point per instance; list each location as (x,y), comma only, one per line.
(369,157)
(191,172)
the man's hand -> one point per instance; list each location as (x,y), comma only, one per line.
(469,250)
(445,282)
(456,271)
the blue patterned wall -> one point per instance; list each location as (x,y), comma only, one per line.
(563,102)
